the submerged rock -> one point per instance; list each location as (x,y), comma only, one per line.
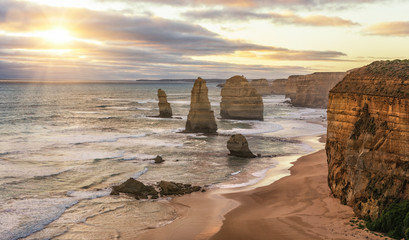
(165,111)
(239,147)
(201,117)
(240,100)
(158,159)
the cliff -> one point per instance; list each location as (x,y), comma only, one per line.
(261,85)
(312,90)
(165,111)
(201,117)
(368,137)
(240,100)
(278,86)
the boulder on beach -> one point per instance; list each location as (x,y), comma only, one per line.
(238,146)
(165,111)
(201,117)
(135,188)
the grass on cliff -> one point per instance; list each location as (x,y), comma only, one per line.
(394,221)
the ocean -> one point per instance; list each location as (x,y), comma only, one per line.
(62,147)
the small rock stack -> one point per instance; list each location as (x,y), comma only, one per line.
(165,111)
(201,117)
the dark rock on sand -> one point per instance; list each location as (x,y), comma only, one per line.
(134,188)
(141,191)
(238,146)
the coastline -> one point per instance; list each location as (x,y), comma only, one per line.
(298,206)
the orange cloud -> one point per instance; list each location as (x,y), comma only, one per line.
(314,20)
(389,29)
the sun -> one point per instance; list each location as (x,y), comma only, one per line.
(57,36)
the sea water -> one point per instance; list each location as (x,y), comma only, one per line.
(62,145)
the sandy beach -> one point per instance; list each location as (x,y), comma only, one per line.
(298,206)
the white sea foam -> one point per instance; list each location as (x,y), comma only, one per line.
(19,218)
(259,176)
(140,173)
(257,128)
(89,194)
(103,139)
(151,100)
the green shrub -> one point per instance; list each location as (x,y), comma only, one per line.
(394,221)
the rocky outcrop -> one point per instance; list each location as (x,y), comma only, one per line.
(240,100)
(278,86)
(368,137)
(165,111)
(312,90)
(172,188)
(135,188)
(239,147)
(139,190)
(261,85)
(201,117)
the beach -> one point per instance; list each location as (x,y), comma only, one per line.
(298,206)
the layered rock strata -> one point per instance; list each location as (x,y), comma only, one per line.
(368,137)
(240,100)
(201,117)
(278,86)
(165,111)
(239,147)
(312,90)
(261,85)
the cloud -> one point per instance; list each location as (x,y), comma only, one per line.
(307,55)
(289,18)
(110,45)
(389,29)
(259,3)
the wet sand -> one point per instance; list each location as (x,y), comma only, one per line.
(298,206)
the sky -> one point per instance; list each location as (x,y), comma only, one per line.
(184,39)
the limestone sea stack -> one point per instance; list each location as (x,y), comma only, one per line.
(239,147)
(165,111)
(278,86)
(312,90)
(201,117)
(240,100)
(261,85)
(368,137)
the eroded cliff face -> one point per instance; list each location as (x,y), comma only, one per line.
(312,90)
(261,85)
(278,86)
(201,117)
(368,137)
(240,100)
